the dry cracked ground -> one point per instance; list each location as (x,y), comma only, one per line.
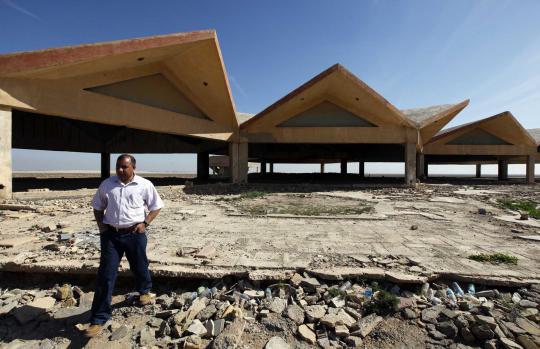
(270,232)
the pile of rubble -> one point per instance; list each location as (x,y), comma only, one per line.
(300,313)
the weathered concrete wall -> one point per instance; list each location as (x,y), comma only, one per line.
(5,152)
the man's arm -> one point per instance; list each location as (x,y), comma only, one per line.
(141,227)
(99,220)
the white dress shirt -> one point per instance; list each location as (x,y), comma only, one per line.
(125,204)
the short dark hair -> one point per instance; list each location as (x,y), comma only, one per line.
(128,156)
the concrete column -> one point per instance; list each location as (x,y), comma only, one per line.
(5,153)
(271,167)
(203,165)
(105,165)
(531,160)
(478,170)
(503,170)
(238,162)
(410,164)
(322,167)
(420,168)
(343,166)
(263,167)
(426,168)
(362,169)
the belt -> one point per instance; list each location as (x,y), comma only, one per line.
(124,230)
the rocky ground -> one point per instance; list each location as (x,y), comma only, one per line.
(304,312)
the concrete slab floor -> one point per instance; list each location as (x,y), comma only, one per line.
(425,233)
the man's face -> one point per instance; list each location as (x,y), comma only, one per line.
(124,169)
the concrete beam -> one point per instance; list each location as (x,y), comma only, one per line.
(105,165)
(420,168)
(5,153)
(343,166)
(238,161)
(410,164)
(271,167)
(362,169)
(530,178)
(322,167)
(263,167)
(478,170)
(203,165)
(503,169)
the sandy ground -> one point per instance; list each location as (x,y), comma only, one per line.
(386,232)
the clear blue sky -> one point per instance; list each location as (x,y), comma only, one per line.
(415,53)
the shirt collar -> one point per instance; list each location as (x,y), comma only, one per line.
(136,179)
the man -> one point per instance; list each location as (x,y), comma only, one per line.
(119,208)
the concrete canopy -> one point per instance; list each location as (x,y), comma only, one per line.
(335,107)
(136,83)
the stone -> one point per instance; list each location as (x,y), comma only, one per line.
(365,325)
(315,312)
(341,331)
(467,335)
(345,318)
(510,344)
(486,320)
(406,303)
(147,336)
(307,334)
(329,320)
(310,284)
(461,322)
(408,314)
(487,294)
(437,335)
(526,342)
(214,327)
(34,309)
(353,312)
(491,344)
(529,326)
(447,328)
(354,342)
(525,303)
(277,305)
(154,322)
(6,308)
(207,312)
(207,252)
(120,333)
(47,227)
(529,313)
(275,322)
(431,314)
(196,327)
(295,313)
(231,335)
(192,342)
(482,332)
(254,294)
(165,314)
(451,314)
(514,328)
(337,302)
(276,343)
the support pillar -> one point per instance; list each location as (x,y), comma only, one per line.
(322,167)
(203,165)
(420,165)
(503,170)
(238,161)
(426,168)
(271,167)
(410,164)
(105,165)
(478,170)
(5,153)
(362,169)
(531,161)
(263,167)
(343,166)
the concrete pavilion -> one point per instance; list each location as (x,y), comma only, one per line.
(497,139)
(160,94)
(335,117)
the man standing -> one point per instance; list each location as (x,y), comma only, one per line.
(119,208)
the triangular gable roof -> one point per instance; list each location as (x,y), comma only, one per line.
(336,71)
(503,125)
(535,133)
(191,61)
(430,120)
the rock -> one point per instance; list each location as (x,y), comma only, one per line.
(276,343)
(486,320)
(414,227)
(254,294)
(345,318)
(165,314)
(197,328)
(275,322)
(482,332)
(436,334)
(207,312)
(154,322)
(147,336)
(30,311)
(48,227)
(482,211)
(337,302)
(307,334)
(231,335)
(447,328)
(193,342)
(526,342)
(120,333)
(310,284)
(353,312)
(467,335)
(461,322)
(165,301)
(529,313)
(431,314)
(295,313)
(341,331)
(527,304)
(450,314)
(329,320)
(354,342)
(164,329)
(406,303)
(365,325)
(214,327)
(491,344)
(408,313)
(315,312)
(487,294)
(514,328)
(277,305)
(509,344)
(529,326)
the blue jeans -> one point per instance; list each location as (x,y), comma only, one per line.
(113,247)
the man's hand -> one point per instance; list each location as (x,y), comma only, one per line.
(140,228)
(98,215)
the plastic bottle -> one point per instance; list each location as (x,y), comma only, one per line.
(435,301)
(470,289)
(451,296)
(268,293)
(368,292)
(345,286)
(457,290)
(424,290)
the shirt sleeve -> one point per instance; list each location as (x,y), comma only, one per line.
(152,200)
(99,201)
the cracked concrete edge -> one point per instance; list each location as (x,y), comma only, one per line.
(328,274)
